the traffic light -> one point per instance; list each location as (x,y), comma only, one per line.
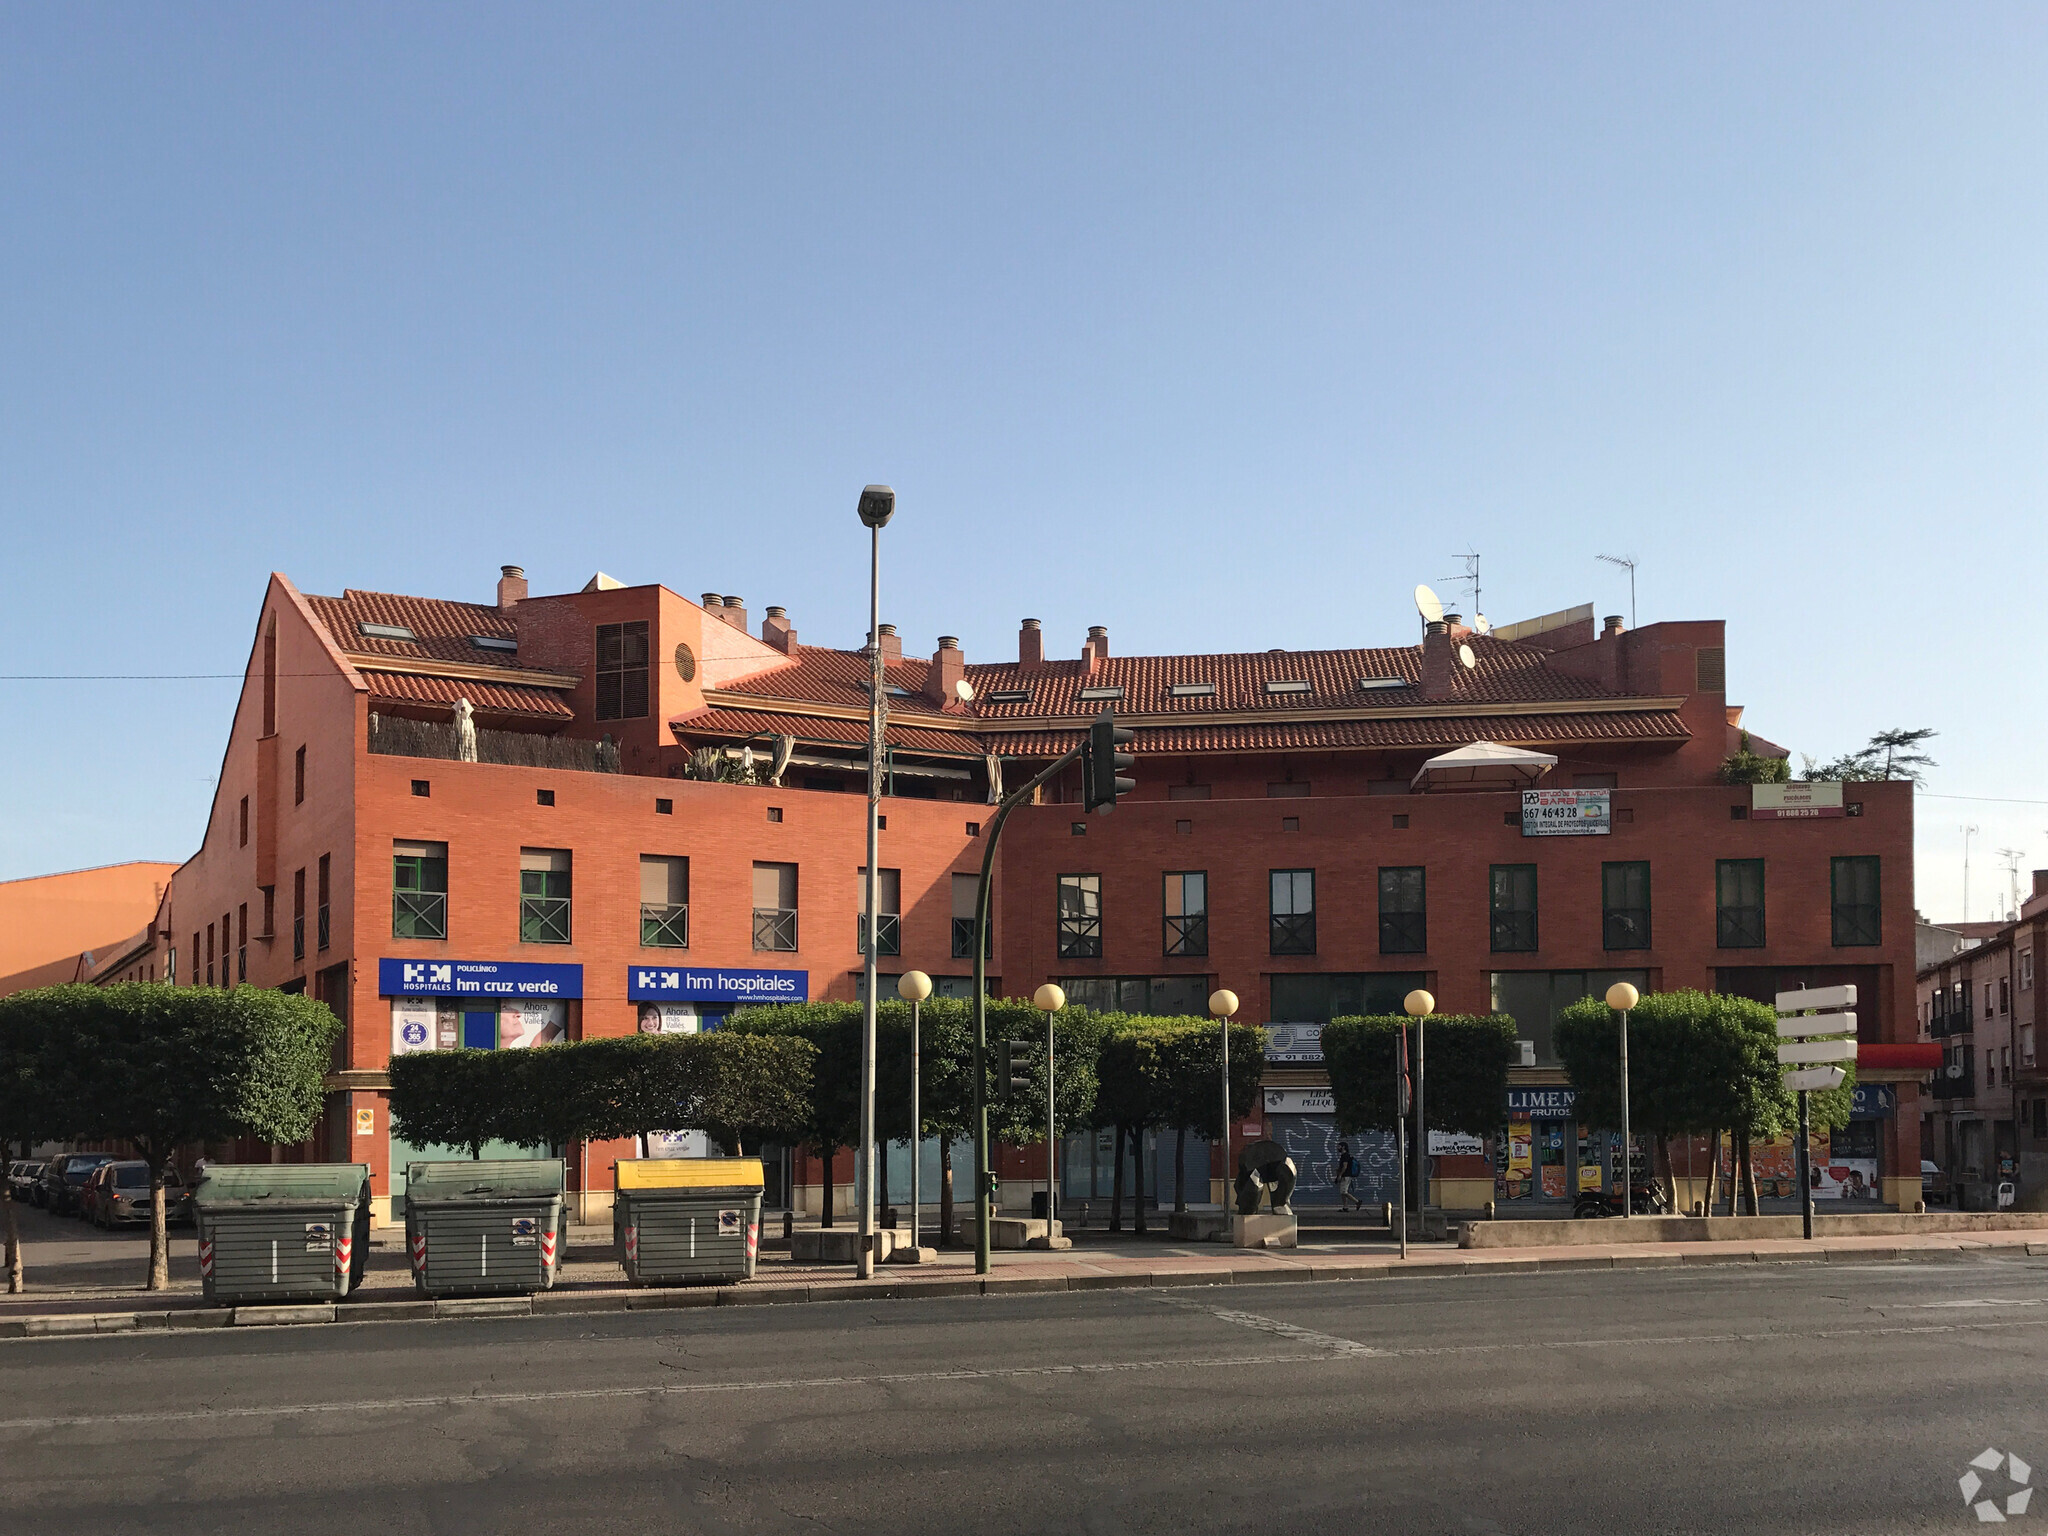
(1014,1079)
(1106,763)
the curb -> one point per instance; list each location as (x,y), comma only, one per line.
(571,1303)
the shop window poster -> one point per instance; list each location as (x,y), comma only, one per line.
(532,1021)
(668,1019)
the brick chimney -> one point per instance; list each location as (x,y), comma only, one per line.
(712,604)
(1096,650)
(1440,668)
(1030,646)
(2041,882)
(775,629)
(736,612)
(892,644)
(511,587)
(1612,627)
(949,665)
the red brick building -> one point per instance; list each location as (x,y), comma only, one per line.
(1291,837)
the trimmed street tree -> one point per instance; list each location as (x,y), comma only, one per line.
(453,1099)
(1465,1087)
(1700,1063)
(1191,1054)
(160,1067)
(1130,1097)
(29,1113)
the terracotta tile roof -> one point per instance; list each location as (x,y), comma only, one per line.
(1507,673)
(1655,727)
(488,698)
(736,724)
(1660,727)
(444,628)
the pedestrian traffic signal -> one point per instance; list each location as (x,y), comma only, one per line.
(1014,1078)
(1105,763)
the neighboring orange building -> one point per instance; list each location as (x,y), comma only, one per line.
(492,824)
(49,924)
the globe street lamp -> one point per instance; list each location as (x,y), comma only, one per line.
(1222,1004)
(1050,999)
(1419,1005)
(914,987)
(1621,997)
(877,506)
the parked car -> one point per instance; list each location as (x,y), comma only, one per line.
(119,1194)
(21,1179)
(63,1180)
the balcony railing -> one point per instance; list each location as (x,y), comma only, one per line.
(775,928)
(665,927)
(1513,933)
(419,914)
(298,940)
(1625,928)
(1080,938)
(1187,934)
(1403,933)
(1961,1086)
(543,919)
(1739,927)
(888,933)
(325,926)
(963,939)
(1294,933)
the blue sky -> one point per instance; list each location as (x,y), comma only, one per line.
(1222,326)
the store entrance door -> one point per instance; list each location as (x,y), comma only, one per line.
(1555,1143)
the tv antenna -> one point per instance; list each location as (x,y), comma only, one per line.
(2012,857)
(1471,580)
(1627,563)
(1968,833)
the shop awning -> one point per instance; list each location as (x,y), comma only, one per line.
(1483,765)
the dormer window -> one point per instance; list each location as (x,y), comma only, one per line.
(385,632)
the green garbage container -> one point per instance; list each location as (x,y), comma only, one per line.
(481,1228)
(282,1231)
(678,1219)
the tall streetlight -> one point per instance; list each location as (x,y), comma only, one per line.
(1222,1004)
(914,987)
(1621,997)
(1049,999)
(1420,1005)
(877,506)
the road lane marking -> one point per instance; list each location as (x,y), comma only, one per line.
(1334,1350)
(1333,1347)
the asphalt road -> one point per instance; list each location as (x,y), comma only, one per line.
(1753,1399)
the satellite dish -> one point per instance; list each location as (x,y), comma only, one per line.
(1480,624)
(963,690)
(1428,605)
(1465,655)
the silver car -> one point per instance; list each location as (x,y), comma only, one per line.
(121,1194)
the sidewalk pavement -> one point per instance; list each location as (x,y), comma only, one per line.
(592,1281)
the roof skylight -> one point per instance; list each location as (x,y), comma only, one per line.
(1009,696)
(1375,684)
(1102,693)
(1289,685)
(493,643)
(385,632)
(1191,690)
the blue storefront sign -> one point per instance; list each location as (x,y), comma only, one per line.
(1873,1101)
(1541,1103)
(714,984)
(477,978)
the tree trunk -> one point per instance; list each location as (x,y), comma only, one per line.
(1749,1178)
(1661,1170)
(1116,1186)
(1745,1181)
(1138,1171)
(1180,1170)
(945,1191)
(1713,1173)
(159,1235)
(15,1284)
(826,1153)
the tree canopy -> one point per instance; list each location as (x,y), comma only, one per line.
(1893,754)
(1465,1081)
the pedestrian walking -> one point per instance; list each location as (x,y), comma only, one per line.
(1347,1171)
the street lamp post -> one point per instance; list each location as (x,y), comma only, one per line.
(914,987)
(877,506)
(1420,1005)
(1223,1004)
(1051,999)
(1621,997)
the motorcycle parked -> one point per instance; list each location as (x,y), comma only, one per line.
(1644,1200)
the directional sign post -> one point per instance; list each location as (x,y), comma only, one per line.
(1814,1064)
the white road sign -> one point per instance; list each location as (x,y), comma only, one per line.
(1816,997)
(1807,1025)
(1818,1079)
(1809,1053)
